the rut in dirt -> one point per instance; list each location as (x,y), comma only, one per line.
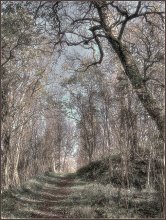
(44,197)
(54,198)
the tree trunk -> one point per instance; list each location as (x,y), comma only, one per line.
(133,73)
(5,154)
(16,178)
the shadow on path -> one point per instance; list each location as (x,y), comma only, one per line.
(46,196)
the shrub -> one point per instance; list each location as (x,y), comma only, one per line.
(137,172)
(82,212)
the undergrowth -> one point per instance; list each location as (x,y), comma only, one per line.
(114,196)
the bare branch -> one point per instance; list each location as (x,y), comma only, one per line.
(99,47)
(81,20)
(38,8)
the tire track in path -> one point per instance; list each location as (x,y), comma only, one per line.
(44,197)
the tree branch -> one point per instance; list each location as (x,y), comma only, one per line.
(99,47)
(81,20)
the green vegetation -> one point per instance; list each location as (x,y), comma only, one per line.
(89,193)
(83,89)
(112,170)
(114,197)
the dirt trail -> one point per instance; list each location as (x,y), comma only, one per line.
(44,197)
(55,196)
(67,196)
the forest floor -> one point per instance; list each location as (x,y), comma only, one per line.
(67,196)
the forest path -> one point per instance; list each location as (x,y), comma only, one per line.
(60,196)
(47,196)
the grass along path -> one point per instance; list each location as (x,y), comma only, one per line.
(46,196)
(67,196)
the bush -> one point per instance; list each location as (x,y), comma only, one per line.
(137,172)
(82,212)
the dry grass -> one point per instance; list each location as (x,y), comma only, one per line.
(75,198)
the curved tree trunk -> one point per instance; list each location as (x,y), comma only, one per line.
(133,73)
(136,80)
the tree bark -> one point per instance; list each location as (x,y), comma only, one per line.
(133,73)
